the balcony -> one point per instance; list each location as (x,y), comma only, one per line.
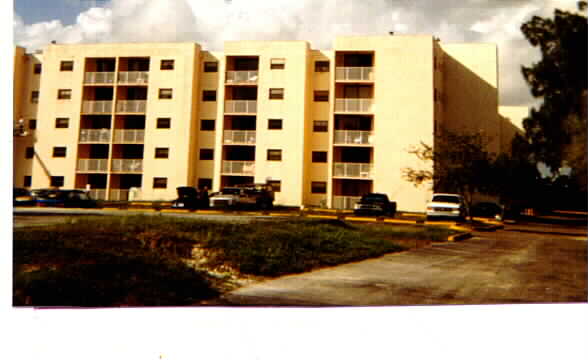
(353,137)
(240,106)
(127,165)
(354,105)
(354,73)
(96,194)
(239,137)
(92,165)
(132,136)
(97,107)
(98,78)
(353,170)
(345,202)
(133,77)
(246,168)
(131,106)
(241,77)
(119,195)
(94,136)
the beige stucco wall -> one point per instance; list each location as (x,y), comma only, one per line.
(511,123)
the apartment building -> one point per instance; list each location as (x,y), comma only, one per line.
(137,120)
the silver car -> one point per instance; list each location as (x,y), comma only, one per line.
(446,206)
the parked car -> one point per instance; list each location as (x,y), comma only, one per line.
(22,197)
(188,198)
(446,206)
(375,204)
(260,196)
(64,198)
(487,209)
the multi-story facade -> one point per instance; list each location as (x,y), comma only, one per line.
(323,127)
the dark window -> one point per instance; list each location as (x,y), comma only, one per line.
(321,66)
(206,154)
(161,153)
(319,156)
(37,69)
(275,94)
(274,155)
(274,124)
(59,151)
(318,187)
(29,152)
(28,180)
(321,95)
(277,64)
(62,123)
(32,124)
(167,65)
(276,185)
(320,126)
(205,183)
(64,94)
(210,66)
(57,181)
(163,123)
(34,97)
(165,93)
(66,66)
(159,183)
(207,125)
(209,95)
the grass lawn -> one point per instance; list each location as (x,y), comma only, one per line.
(167,261)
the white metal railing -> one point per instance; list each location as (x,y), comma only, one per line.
(239,167)
(353,170)
(241,106)
(93,165)
(249,77)
(131,136)
(99,78)
(91,136)
(345,202)
(118,195)
(131,106)
(133,77)
(353,137)
(353,105)
(239,137)
(127,165)
(97,107)
(362,73)
(96,194)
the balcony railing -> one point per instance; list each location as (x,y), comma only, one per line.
(353,170)
(92,165)
(131,106)
(118,195)
(99,78)
(132,136)
(353,137)
(239,136)
(94,136)
(241,77)
(354,73)
(127,165)
(133,77)
(97,107)
(345,202)
(238,168)
(354,105)
(241,106)
(96,194)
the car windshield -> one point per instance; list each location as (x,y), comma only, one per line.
(373,198)
(446,198)
(231,191)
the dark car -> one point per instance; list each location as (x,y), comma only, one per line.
(487,210)
(375,204)
(22,197)
(188,198)
(64,198)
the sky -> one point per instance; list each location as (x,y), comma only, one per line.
(211,22)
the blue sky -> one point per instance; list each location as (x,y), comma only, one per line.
(33,11)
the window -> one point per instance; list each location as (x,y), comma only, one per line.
(276,185)
(321,66)
(206,154)
(204,183)
(28,180)
(59,152)
(57,181)
(211,66)
(437,96)
(32,124)
(163,123)
(207,125)
(318,187)
(320,126)
(64,94)
(274,155)
(274,124)
(34,97)
(321,95)
(161,153)
(165,93)
(37,69)
(62,123)
(66,66)
(277,64)
(209,95)
(167,65)
(29,152)
(159,183)
(319,156)
(276,94)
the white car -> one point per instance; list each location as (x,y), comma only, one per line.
(446,206)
